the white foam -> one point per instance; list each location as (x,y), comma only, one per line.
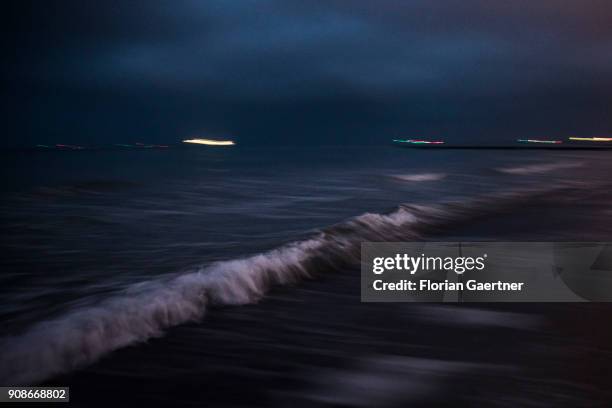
(145,310)
(539,168)
(419,177)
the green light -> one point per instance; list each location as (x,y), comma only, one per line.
(539,141)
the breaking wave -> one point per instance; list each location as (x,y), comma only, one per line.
(143,311)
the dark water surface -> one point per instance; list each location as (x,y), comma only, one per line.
(228,277)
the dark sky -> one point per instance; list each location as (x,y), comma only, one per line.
(332,72)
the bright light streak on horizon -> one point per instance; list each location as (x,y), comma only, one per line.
(592,139)
(414,141)
(210,142)
(539,141)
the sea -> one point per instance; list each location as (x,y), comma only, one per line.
(229,276)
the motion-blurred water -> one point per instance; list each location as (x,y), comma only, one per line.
(107,249)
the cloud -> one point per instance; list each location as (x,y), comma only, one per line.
(469,67)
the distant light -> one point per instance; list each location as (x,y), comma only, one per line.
(592,139)
(414,141)
(210,142)
(41,145)
(539,141)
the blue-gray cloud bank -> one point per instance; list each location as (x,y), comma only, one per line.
(296,72)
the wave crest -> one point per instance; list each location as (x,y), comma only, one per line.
(144,310)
